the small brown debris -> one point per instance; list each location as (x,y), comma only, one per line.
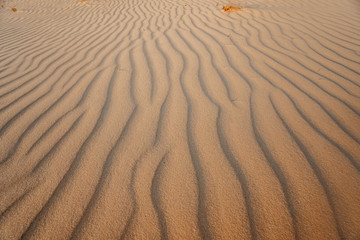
(14,9)
(230,8)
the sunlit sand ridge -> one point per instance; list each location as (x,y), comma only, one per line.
(179,119)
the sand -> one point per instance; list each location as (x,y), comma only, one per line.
(175,119)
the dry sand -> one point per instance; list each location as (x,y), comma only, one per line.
(172,119)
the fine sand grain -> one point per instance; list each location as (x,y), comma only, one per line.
(177,119)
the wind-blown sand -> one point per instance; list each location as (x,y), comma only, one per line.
(172,119)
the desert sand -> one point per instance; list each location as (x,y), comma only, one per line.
(175,119)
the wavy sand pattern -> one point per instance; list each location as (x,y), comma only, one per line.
(172,119)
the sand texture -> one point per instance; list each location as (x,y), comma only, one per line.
(180,119)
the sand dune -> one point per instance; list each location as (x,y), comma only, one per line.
(166,119)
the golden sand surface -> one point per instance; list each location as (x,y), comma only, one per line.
(175,119)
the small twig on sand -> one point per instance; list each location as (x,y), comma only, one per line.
(230,8)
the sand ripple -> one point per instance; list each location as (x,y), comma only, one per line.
(173,119)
